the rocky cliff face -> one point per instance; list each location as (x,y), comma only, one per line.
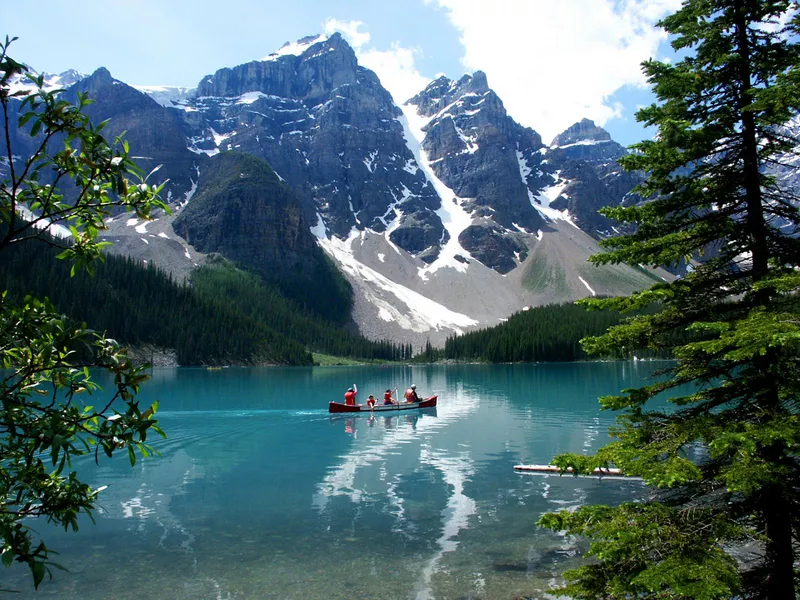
(245,213)
(155,134)
(490,162)
(583,161)
(331,132)
(242,211)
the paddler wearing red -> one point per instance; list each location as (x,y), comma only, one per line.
(350,395)
(411,394)
(387,397)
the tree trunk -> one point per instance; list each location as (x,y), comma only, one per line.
(751,173)
(779,551)
(774,506)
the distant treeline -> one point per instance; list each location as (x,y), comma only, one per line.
(545,333)
(225,316)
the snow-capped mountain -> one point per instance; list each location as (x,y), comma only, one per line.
(50,81)
(331,132)
(444,213)
(583,160)
(488,163)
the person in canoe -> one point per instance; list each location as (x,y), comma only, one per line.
(411,394)
(350,395)
(387,397)
(371,401)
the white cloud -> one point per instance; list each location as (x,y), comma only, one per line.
(555,62)
(350,30)
(395,67)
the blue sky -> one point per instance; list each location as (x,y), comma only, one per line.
(552,62)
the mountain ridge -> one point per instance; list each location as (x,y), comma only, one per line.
(444,213)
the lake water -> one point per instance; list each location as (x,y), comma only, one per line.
(260,493)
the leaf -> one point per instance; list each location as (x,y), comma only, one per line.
(150,411)
(38,570)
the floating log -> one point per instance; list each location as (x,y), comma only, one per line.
(554,469)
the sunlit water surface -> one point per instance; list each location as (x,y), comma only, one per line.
(260,493)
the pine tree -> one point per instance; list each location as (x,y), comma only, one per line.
(723,461)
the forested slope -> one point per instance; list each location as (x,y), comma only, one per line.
(225,316)
(545,333)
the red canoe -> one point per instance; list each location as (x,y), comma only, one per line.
(340,407)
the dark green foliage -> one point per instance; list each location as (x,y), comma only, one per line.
(225,317)
(46,416)
(267,306)
(726,457)
(544,333)
(139,304)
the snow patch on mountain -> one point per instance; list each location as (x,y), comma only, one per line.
(168,95)
(469,141)
(421,314)
(250,97)
(319,230)
(583,281)
(50,81)
(548,195)
(294,48)
(369,161)
(42,224)
(584,143)
(454,218)
(190,192)
(524,171)
(220,137)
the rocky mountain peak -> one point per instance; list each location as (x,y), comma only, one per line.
(478,83)
(330,130)
(585,163)
(154,131)
(583,131)
(443,92)
(50,81)
(67,78)
(101,76)
(104,89)
(489,161)
(308,68)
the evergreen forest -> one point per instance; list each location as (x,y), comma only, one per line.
(544,333)
(224,316)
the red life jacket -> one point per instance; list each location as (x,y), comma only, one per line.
(387,398)
(350,398)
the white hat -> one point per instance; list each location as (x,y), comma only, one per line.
(413,386)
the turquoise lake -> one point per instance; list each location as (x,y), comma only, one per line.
(260,493)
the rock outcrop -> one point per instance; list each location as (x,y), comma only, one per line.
(154,133)
(583,161)
(489,161)
(331,132)
(245,213)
